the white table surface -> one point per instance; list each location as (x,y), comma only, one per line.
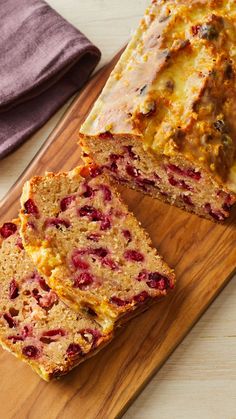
(199,379)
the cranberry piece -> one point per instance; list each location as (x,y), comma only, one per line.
(115,157)
(88,192)
(90,335)
(110,263)
(73,349)
(171,283)
(105,224)
(173,181)
(130,152)
(226,207)
(78,262)
(118,301)
(83,280)
(143,275)
(30,351)
(224,195)
(140,298)
(13,290)
(132,171)
(217,215)
(208,207)
(13,311)
(100,251)
(35,276)
(15,338)
(175,169)
(156,176)
(95,215)
(187,200)
(54,332)
(157,281)
(127,235)
(31,208)
(227,200)
(133,255)
(11,322)
(107,135)
(36,295)
(113,167)
(43,285)
(57,222)
(179,183)
(66,202)
(188,172)
(31,225)
(194,175)
(106,193)
(95,171)
(7,230)
(88,211)
(27,331)
(94,237)
(161,284)
(19,243)
(48,300)
(117,213)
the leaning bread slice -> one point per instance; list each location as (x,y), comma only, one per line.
(87,245)
(35,325)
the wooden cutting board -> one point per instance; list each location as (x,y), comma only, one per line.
(203,255)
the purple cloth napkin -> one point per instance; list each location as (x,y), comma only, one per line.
(44,60)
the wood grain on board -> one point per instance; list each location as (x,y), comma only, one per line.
(203,255)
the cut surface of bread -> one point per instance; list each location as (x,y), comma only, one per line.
(35,325)
(89,248)
(165,122)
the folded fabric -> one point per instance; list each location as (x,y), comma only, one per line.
(44,61)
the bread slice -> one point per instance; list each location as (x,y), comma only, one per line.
(89,248)
(35,325)
(165,123)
